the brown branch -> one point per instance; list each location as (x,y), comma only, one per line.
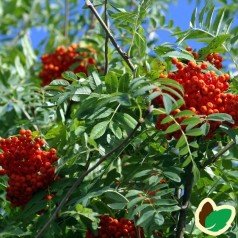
(106,40)
(185,203)
(85,173)
(120,51)
(217,155)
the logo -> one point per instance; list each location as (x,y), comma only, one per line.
(212,219)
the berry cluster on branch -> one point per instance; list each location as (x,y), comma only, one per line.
(28,167)
(64,59)
(204,92)
(113,228)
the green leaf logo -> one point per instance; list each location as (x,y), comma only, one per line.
(212,219)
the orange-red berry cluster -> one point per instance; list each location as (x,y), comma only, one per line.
(28,167)
(204,92)
(64,59)
(112,228)
(215,59)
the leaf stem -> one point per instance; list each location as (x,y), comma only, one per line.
(110,36)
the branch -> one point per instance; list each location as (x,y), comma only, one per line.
(66,20)
(85,173)
(185,203)
(29,118)
(217,155)
(106,40)
(120,51)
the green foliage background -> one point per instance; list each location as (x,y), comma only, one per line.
(96,113)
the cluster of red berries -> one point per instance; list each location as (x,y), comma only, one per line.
(112,228)
(204,92)
(28,167)
(64,59)
(215,59)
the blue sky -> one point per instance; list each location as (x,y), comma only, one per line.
(179,12)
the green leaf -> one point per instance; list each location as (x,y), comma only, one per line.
(124,100)
(191,120)
(163,49)
(213,46)
(120,200)
(81,91)
(194,132)
(172,176)
(59,82)
(146,218)
(111,82)
(168,209)
(99,129)
(28,51)
(122,17)
(201,15)
(116,130)
(196,173)
(124,82)
(159,219)
(184,113)
(96,79)
(145,89)
(187,161)
(168,105)
(140,209)
(172,128)
(19,67)
(234,40)
(184,150)
(167,119)
(208,21)
(133,192)
(127,119)
(205,128)
(140,40)
(179,55)
(227,25)
(181,141)
(69,76)
(164,192)
(193,18)
(217,220)
(135,201)
(220,117)
(165,202)
(103,112)
(172,91)
(218,21)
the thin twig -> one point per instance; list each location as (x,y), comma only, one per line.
(106,39)
(217,155)
(120,51)
(85,173)
(29,118)
(185,203)
(66,20)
